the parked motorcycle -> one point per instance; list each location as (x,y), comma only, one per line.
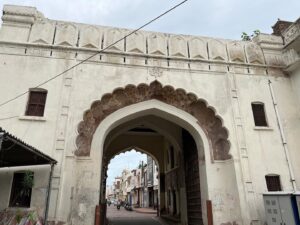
(118,205)
(128,207)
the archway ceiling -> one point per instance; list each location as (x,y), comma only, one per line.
(151,145)
(122,97)
(158,126)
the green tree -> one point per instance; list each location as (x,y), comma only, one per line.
(247,37)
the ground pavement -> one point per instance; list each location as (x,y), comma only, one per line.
(124,217)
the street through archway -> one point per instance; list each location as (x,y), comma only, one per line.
(124,217)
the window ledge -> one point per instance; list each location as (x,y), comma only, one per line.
(33,118)
(262,128)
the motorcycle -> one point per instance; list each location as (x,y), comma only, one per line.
(128,207)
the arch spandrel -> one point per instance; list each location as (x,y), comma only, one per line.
(122,97)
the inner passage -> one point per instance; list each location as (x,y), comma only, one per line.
(152,171)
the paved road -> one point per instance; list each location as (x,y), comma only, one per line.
(133,221)
(124,217)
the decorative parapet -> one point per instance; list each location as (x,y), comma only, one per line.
(17,21)
(272,47)
(292,33)
(44,37)
(20,14)
(269,41)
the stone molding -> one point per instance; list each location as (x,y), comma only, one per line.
(292,32)
(188,102)
(19,10)
(20,14)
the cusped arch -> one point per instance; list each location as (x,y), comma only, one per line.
(122,97)
(135,148)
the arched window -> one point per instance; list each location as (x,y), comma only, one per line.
(273,182)
(36,102)
(259,114)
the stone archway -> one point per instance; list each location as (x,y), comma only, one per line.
(188,102)
(171,168)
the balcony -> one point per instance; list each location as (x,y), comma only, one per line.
(292,36)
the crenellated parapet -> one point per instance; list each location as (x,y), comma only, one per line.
(37,35)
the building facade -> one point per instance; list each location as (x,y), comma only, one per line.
(138,187)
(220,117)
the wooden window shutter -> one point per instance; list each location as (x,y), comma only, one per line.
(273,183)
(36,103)
(259,114)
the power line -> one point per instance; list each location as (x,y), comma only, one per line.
(7,118)
(81,62)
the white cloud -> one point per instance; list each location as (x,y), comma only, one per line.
(216,18)
(128,160)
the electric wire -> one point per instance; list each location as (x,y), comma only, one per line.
(7,118)
(77,64)
(93,55)
(23,136)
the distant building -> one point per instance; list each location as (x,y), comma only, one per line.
(110,192)
(139,187)
(117,188)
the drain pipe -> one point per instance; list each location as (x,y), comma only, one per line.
(1,139)
(283,139)
(48,195)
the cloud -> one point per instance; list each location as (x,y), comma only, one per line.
(128,160)
(215,18)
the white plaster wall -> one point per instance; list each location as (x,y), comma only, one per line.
(295,80)
(24,66)
(19,73)
(92,80)
(5,187)
(289,111)
(266,153)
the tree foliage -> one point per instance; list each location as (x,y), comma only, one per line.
(247,37)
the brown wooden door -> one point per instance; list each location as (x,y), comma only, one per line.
(192,180)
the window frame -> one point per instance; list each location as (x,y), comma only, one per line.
(14,188)
(255,115)
(30,103)
(269,185)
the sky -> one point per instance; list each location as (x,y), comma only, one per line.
(213,18)
(128,160)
